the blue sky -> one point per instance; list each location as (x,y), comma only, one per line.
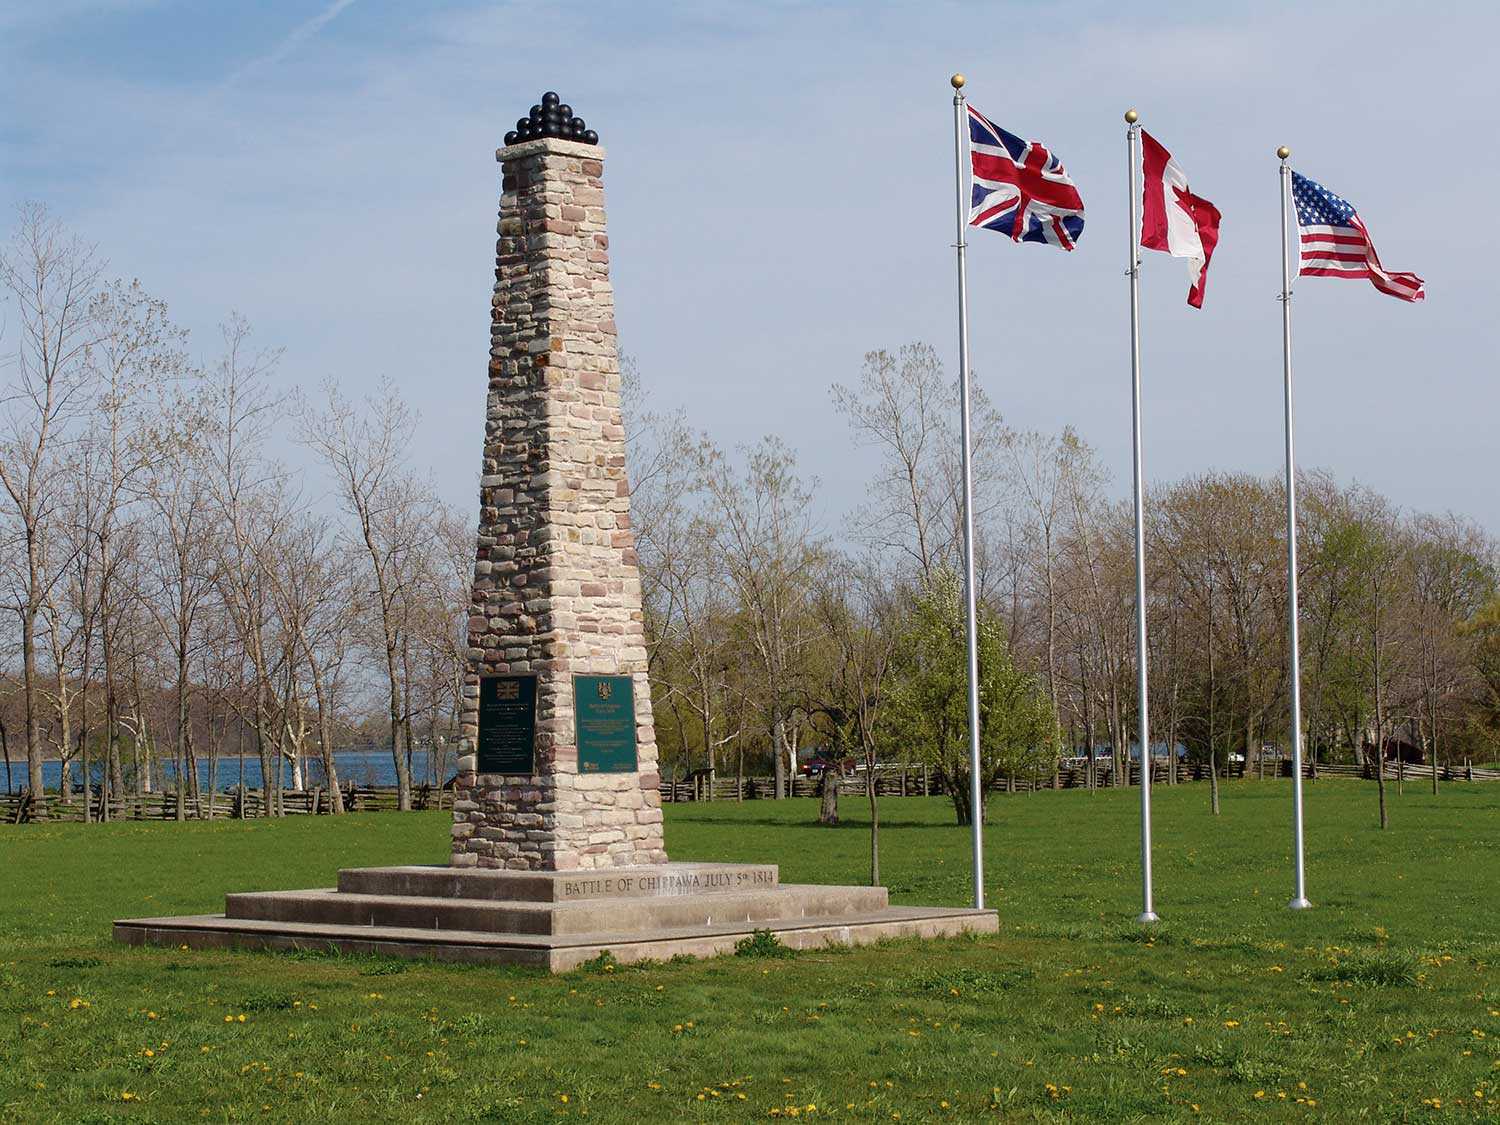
(779,184)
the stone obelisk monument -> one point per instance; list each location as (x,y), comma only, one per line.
(556,639)
(557,833)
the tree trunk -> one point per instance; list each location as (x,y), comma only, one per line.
(874,823)
(263,751)
(29,692)
(5,750)
(325,745)
(403,774)
(780,782)
(828,790)
(1379,719)
(1434,713)
(1213,781)
(1252,751)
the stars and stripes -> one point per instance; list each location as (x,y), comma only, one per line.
(1335,242)
(1020,188)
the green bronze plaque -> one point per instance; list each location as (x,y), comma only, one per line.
(507,724)
(604,711)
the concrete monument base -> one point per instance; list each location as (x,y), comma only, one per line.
(553,919)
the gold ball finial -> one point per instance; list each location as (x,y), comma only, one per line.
(1131,117)
(1283,152)
(958,81)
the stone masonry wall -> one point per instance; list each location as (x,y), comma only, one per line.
(556,588)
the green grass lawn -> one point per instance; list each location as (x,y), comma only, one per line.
(1382,1004)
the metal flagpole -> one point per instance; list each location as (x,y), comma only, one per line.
(1132,146)
(1294,656)
(960,129)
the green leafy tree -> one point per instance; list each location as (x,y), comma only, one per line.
(928,703)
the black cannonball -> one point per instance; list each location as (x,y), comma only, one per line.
(512,137)
(591,138)
(522,124)
(577,125)
(536,113)
(549,99)
(565,109)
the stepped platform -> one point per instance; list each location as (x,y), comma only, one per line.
(552,919)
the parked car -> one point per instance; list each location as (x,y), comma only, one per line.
(819,762)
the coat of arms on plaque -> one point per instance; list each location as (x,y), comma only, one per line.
(605,689)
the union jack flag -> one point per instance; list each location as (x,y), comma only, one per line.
(1335,242)
(1020,188)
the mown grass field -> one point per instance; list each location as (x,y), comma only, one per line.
(1382,1004)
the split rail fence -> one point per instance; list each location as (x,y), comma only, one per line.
(233,804)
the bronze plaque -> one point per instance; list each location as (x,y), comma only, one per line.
(604,714)
(507,724)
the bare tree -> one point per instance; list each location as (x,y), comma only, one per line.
(50,277)
(768,544)
(240,411)
(365,450)
(859,615)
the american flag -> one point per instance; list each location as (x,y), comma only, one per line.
(1335,242)
(1020,188)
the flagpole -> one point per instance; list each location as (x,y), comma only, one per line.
(976,806)
(1294,656)
(1132,144)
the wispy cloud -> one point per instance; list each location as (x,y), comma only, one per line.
(298,36)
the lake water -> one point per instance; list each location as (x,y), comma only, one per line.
(363,767)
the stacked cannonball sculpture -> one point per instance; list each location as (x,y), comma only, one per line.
(551,119)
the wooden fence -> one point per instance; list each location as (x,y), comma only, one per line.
(1413,771)
(231,804)
(19,808)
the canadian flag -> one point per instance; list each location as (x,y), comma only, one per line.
(1175,220)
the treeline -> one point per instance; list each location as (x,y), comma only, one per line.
(173,594)
(171,590)
(771,632)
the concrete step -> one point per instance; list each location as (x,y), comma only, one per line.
(557,953)
(655,881)
(788,902)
